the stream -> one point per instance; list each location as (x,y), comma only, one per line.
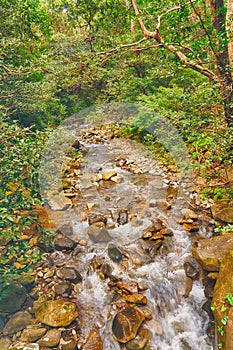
(142,194)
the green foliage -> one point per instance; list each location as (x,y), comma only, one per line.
(225,229)
(20,153)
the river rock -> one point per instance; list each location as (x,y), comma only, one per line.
(189,214)
(146,311)
(191,227)
(191,267)
(107,176)
(122,217)
(67,344)
(136,299)
(64,243)
(223,210)
(130,287)
(97,218)
(114,253)
(98,235)
(25,346)
(17,322)
(13,296)
(5,343)
(62,288)
(51,338)
(141,340)
(224,285)
(30,335)
(210,251)
(56,313)
(126,324)
(94,341)
(58,202)
(69,274)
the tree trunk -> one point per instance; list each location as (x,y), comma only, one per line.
(229,28)
(222,57)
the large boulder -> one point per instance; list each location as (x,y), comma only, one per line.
(13,296)
(223,287)
(223,210)
(126,324)
(17,322)
(211,251)
(56,313)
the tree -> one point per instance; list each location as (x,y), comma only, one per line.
(213,34)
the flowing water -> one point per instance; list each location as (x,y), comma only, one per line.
(178,323)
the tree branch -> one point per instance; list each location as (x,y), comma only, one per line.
(9,71)
(121,47)
(197,66)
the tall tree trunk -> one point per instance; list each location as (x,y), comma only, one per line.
(222,57)
(229,29)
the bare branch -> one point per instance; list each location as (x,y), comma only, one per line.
(121,47)
(9,71)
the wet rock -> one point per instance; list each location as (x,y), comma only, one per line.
(17,322)
(98,235)
(223,286)
(141,340)
(211,251)
(27,281)
(96,218)
(51,338)
(106,270)
(5,342)
(30,335)
(69,274)
(188,287)
(62,289)
(116,179)
(223,210)
(163,204)
(126,324)
(191,267)
(13,296)
(2,324)
(64,243)
(136,299)
(25,346)
(192,227)
(189,214)
(154,229)
(67,344)
(114,253)
(130,287)
(122,217)
(59,202)
(146,311)
(56,313)
(94,341)
(107,176)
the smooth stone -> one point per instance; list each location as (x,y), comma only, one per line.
(126,324)
(94,341)
(146,311)
(123,217)
(62,288)
(25,346)
(67,344)
(32,334)
(13,296)
(140,341)
(59,202)
(98,235)
(95,218)
(211,251)
(51,338)
(64,243)
(136,298)
(116,179)
(17,322)
(131,287)
(5,342)
(2,324)
(56,313)
(107,176)
(191,267)
(114,253)
(69,274)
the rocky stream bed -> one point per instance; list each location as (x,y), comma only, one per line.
(120,273)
